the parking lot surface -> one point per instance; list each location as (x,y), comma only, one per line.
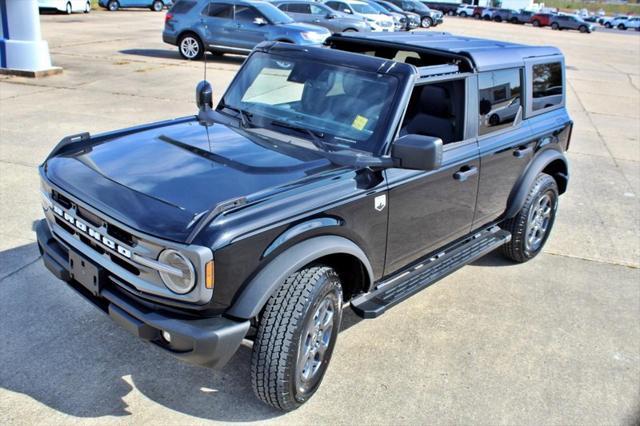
(553,341)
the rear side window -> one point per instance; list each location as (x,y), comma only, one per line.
(299,8)
(182,7)
(500,96)
(219,10)
(547,85)
(247,13)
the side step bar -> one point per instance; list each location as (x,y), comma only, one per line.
(393,291)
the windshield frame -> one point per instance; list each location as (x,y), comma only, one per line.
(406,76)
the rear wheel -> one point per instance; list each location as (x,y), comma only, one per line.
(582,29)
(555,26)
(426,22)
(296,336)
(476,15)
(113,5)
(190,47)
(498,19)
(535,23)
(608,25)
(463,14)
(68,9)
(87,7)
(531,227)
(622,27)
(157,6)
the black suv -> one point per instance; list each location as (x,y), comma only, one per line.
(361,173)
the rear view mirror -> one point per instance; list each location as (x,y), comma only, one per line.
(417,152)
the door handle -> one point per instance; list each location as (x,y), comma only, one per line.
(465,173)
(522,152)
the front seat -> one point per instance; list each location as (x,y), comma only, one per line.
(433,116)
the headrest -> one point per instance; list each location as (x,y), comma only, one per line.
(435,100)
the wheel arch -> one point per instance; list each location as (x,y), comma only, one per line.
(342,254)
(551,162)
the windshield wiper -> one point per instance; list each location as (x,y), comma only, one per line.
(314,136)
(245,118)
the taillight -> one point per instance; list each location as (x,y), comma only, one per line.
(168,17)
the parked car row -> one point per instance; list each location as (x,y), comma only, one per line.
(70,6)
(236,26)
(557,21)
(620,22)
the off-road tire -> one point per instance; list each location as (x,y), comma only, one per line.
(516,249)
(283,321)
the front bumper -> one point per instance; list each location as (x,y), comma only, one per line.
(209,342)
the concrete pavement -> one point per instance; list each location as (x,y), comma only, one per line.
(553,341)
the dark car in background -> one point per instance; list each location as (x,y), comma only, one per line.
(541,19)
(314,13)
(444,7)
(571,22)
(503,15)
(522,17)
(428,17)
(478,11)
(233,26)
(412,19)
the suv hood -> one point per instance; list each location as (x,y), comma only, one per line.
(163,181)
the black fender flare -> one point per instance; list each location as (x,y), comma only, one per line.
(540,162)
(258,291)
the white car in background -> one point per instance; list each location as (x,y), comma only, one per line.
(465,10)
(375,20)
(67,6)
(614,22)
(631,23)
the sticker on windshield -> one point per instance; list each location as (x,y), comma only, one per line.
(359,122)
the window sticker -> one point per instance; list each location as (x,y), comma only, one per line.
(359,122)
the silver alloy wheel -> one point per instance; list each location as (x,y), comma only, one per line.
(157,6)
(314,343)
(113,6)
(538,222)
(426,22)
(189,47)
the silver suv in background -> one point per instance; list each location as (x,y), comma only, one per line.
(571,22)
(316,13)
(233,26)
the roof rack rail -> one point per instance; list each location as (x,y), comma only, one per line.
(434,70)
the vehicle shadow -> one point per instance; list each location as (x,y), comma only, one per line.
(493,259)
(173,54)
(62,352)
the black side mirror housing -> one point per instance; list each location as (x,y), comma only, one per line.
(485,107)
(204,95)
(417,152)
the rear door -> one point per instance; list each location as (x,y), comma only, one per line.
(219,26)
(505,140)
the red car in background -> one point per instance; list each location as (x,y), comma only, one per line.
(477,12)
(541,19)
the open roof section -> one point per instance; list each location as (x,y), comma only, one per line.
(484,54)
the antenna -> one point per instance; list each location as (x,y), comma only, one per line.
(204,91)
(206,27)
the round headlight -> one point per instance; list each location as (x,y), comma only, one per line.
(176,283)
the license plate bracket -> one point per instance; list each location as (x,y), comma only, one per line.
(87,273)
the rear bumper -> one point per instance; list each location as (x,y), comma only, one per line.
(209,342)
(169,38)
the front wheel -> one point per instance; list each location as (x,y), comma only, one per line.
(426,22)
(535,23)
(582,29)
(68,9)
(463,14)
(87,7)
(157,6)
(296,336)
(555,26)
(498,19)
(532,225)
(113,5)
(622,27)
(607,25)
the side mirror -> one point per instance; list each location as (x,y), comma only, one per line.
(260,21)
(331,16)
(417,152)
(204,95)
(485,107)
(347,11)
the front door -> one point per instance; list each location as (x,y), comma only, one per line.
(219,26)
(250,32)
(430,209)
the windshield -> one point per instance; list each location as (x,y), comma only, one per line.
(273,14)
(344,107)
(378,8)
(363,8)
(416,5)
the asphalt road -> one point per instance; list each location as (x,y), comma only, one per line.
(553,341)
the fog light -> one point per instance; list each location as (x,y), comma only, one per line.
(166,336)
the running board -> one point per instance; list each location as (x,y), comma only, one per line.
(399,288)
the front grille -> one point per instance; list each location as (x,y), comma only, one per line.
(121,234)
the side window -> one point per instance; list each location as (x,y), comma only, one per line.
(547,85)
(317,10)
(218,10)
(332,4)
(284,7)
(437,109)
(500,97)
(247,14)
(299,8)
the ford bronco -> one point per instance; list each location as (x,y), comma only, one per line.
(361,172)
